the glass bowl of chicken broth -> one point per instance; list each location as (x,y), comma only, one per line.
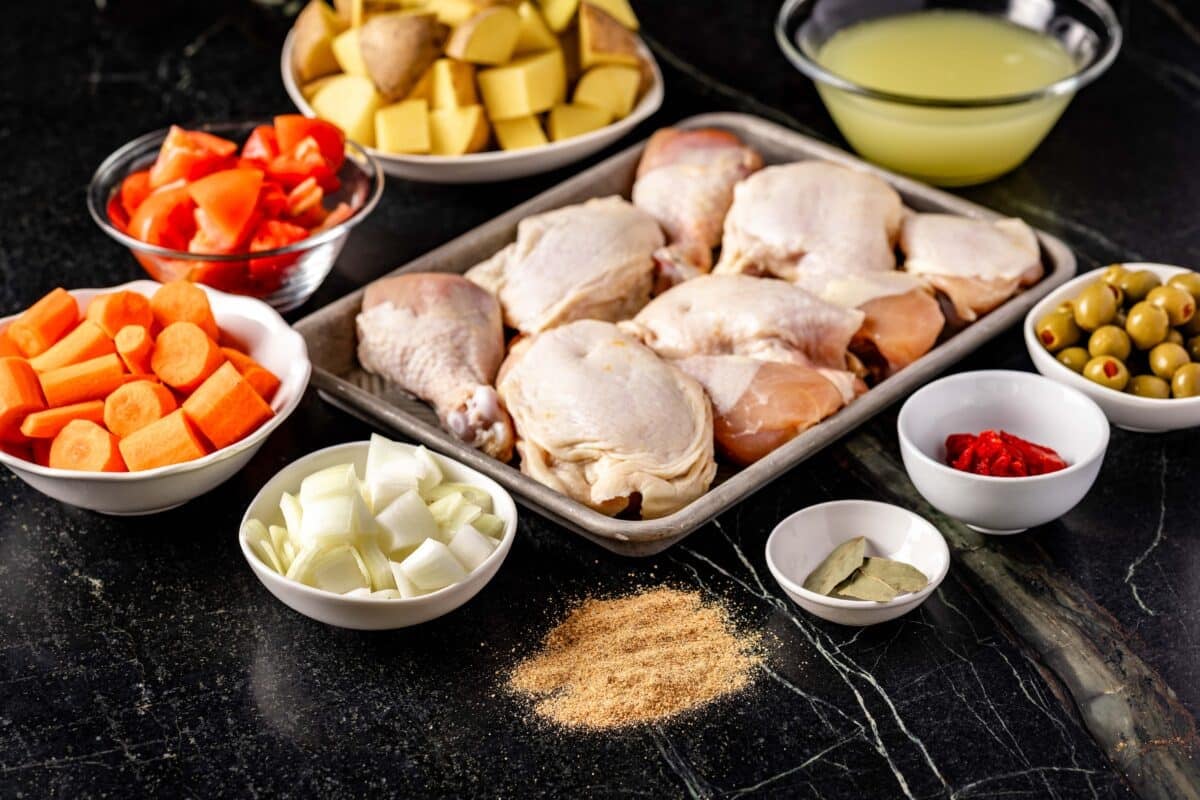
(952,93)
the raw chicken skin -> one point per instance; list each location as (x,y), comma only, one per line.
(685,180)
(976,264)
(602,419)
(897,330)
(588,261)
(810,217)
(439,337)
(760,405)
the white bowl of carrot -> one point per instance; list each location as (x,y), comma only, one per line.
(137,398)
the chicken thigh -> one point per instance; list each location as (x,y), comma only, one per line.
(685,180)
(602,419)
(588,261)
(439,337)
(977,264)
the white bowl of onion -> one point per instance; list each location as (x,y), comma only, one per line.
(377,535)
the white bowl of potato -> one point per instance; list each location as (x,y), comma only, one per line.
(463,91)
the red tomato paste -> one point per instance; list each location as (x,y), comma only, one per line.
(1000,454)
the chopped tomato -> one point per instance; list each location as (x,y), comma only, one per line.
(262,146)
(134,190)
(292,129)
(304,197)
(304,161)
(340,214)
(269,272)
(116,214)
(226,203)
(272,200)
(189,155)
(165,218)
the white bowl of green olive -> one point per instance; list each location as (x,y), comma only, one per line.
(1128,336)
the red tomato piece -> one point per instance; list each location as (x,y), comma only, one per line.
(116,214)
(165,218)
(134,189)
(272,200)
(291,168)
(304,197)
(340,213)
(262,146)
(189,155)
(268,273)
(291,129)
(226,202)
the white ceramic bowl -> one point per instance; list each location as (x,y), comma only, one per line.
(366,613)
(495,165)
(1024,404)
(802,541)
(267,338)
(1143,414)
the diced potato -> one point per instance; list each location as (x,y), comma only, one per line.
(452,84)
(397,49)
(603,40)
(519,133)
(403,127)
(559,13)
(310,89)
(457,131)
(619,10)
(312,51)
(454,12)
(568,120)
(489,37)
(528,85)
(423,90)
(534,35)
(350,102)
(612,87)
(349,54)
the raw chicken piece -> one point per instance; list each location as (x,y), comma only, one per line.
(589,261)
(977,264)
(602,419)
(439,337)
(810,217)
(685,180)
(760,405)
(761,318)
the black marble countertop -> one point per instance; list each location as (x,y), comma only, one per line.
(140,656)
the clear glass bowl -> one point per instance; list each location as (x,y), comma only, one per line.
(950,142)
(303,264)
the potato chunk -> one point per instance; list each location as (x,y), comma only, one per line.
(457,131)
(559,13)
(612,87)
(452,84)
(350,102)
(534,35)
(519,133)
(566,120)
(527,85)
(403,127)
(312,50)
(603,40)
(398,48)
(348,53)
(489,37)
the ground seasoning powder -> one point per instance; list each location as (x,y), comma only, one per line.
(636,659)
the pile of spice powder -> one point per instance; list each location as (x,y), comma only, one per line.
(636,659)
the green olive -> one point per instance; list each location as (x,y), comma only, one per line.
(1114,274)
(1136,285)
(1109,340)
(1174,337)
(1193,348)
(1146,325)
(1188,281)
(1165,358)
(1107,371)
(1074,358)
(1095,306)
(1186,381)
(1057,330)
(1149,386)
(1178,303)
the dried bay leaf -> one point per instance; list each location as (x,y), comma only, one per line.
(837,566)
(900,576)
(864,587)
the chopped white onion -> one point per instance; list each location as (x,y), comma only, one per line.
(293,516)
(432,566)
(470,547)
(341,479)
(337,569)
(473,494)
(361,591)
(377,565)
(405,523)
(431,471)
(335,517)
(403,585)
(387,594)
(259,540)
(489,525)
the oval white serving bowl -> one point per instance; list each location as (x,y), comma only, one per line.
(1036,409)
(1140,414)
(803,540)
(366,613)
(266,337)
(495,165)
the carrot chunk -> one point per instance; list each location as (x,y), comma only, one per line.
(86,341)
(84,445)
(46,424)
(88,380)
(182,301)
(225,408)
(135,405)
(7,346)
(184,355)
(171,440)
(44,323)
(259,377)
(134,345)
(20,395)
(115,310)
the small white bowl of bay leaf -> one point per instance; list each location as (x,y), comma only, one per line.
(830,558)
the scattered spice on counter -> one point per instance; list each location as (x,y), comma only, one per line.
(636,659)
(1000,454)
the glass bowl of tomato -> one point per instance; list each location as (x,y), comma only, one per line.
(253,208)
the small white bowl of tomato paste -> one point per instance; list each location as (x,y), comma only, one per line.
(1000,450)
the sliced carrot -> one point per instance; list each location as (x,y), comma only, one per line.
(84,445)
(44,323)
(225,408)
(41,451)
(115,310)
(182,301)
(88,380)
(46,424)
(184,356)
(134,345)
(20,395)
(135,405)
(86,341)
(7,346)
(171,440)
(259,377)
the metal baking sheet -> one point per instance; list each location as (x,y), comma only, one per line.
(340,380)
